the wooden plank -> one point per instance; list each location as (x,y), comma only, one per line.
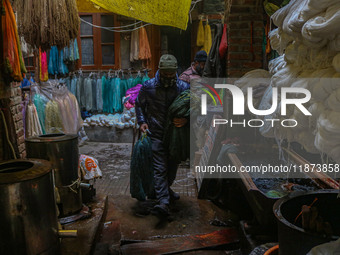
(182,244)
(87,231)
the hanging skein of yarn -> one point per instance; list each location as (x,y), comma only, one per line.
(88,94)
(12,60)
(279,16)
(99,95)
(144,47)
(117,100)
(276,64)
(43,66)
(324,26)
(59,22)
(134,46)
(200,34)
(207,38)
(141,170)
(33,127)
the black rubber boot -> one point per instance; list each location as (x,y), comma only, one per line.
(162,209)
(173,195)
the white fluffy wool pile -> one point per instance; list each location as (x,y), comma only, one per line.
(119,120)
(308,40)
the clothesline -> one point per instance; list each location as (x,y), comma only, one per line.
(113,30)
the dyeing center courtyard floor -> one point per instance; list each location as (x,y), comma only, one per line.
(128,221)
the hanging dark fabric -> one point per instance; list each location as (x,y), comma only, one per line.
(215,66)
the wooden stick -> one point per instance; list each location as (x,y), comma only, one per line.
(297,217)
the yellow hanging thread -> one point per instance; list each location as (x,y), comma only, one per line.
(200,34)
(207,38)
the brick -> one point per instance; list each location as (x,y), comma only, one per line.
(244,2)
(246,48)
(234,41)
(241,9)
(244,17)
(240,56)
(19,108)
(234,48)
(234,64)
(19,92)
(21,147)
(20,132)
(23,154)
(18,117)
(240,33)
(255,65)
(21,140)
(239,25)
(15,101)
(258,33)
(258,24)
(13,110)
(13,92)
(19,125)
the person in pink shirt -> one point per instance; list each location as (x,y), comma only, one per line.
(196,69)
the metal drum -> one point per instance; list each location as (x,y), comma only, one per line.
(29,223)
(293,239)
(62,150)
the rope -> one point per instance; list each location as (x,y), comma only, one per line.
(76,182)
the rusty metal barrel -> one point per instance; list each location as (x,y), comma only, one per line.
(63,152)
(29,223)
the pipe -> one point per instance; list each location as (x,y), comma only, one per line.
(85,186)
(67,233)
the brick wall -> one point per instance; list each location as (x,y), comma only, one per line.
(240,38)
(10,101)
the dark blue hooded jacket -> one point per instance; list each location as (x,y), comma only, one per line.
(153,102)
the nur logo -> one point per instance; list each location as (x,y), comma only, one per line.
(239,99)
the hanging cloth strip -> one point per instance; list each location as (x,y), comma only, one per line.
(134,48)
(94,94)
(99,96)
(12,56)
(105,93)
(88,94)
(224,42)
(267,30)
(144,47)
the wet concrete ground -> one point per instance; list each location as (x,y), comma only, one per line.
(132,219)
